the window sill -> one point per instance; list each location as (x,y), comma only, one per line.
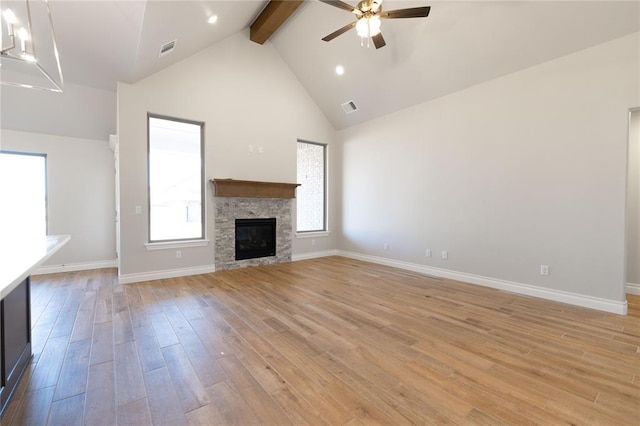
(176,244)
(313,234)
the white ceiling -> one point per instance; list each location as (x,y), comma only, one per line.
(460,44)
(104,41)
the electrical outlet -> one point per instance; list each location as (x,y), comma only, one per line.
(138,209)
(445,254)
(427,253)
(250,148)
(313,242)
(544,269)
(386,247)
(178,254)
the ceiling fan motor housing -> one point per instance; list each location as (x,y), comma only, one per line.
(368,7)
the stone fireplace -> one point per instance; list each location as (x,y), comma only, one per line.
(236,199)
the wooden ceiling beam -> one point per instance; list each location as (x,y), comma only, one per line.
(271,18)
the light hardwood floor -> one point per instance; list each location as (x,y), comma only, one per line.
(327,341)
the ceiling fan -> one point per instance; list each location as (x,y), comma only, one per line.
(369,14)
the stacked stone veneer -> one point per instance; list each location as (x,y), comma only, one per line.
(228,209)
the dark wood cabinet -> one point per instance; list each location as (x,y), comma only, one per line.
(20,258)
(15,339)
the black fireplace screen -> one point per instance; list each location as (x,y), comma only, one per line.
(255,238)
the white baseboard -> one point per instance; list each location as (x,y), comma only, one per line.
(313,255)
(607,305)
(160,275)
(633,288)
(601,304)
(72,267)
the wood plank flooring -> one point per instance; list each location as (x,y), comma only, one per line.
(329,341)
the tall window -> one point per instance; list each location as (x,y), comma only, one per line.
(23,194)
(311,194)
(176,176)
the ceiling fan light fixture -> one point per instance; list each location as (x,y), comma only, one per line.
(369,13)
(368,26)
(374,25)
(362,27)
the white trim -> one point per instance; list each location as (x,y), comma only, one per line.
(167,245)
(313,234)
(313,255)
(607,305)
(169,273)
(72,267)
(633,288)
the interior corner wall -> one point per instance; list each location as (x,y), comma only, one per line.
(514,173)
(633,202)
(80,195)
(246,95)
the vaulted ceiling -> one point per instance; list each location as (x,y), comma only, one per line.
(460,44)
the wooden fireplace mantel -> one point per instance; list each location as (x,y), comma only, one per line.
(253,189)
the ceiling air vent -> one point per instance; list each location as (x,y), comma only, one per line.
(166,48)
(349,107)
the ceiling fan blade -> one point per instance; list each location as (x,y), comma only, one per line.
(339,32)
(413,12)
(339,5)
(378,41)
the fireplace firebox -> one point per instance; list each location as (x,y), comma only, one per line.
(255,238)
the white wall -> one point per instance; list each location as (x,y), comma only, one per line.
(246,95)
(79,112)
(633,202)
(80,195)
(524,170)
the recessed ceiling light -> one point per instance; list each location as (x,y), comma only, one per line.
(339,70)
(212,19)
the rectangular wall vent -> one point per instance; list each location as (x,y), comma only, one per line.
(349,107)
(167,48)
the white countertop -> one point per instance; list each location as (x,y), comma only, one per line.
(18,259)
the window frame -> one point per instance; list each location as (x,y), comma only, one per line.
(176,242)
(325,211)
